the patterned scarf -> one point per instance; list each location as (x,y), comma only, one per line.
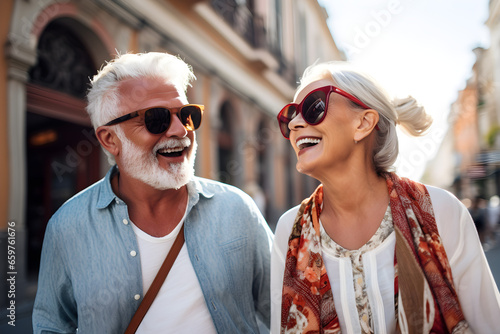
(425,298)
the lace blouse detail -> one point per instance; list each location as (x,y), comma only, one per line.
(385,229)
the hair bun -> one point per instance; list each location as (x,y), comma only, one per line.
(411,116)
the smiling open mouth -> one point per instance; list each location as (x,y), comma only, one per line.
(171,152)
(307,142)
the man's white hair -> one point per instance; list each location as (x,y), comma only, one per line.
(104,96)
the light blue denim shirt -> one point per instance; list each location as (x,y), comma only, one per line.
(90,280)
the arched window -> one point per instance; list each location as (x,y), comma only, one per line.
(63,63)
(62,152)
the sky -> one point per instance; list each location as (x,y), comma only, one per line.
(422,48)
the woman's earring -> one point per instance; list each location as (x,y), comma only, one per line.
(355,141)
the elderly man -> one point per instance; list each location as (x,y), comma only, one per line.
(104,246)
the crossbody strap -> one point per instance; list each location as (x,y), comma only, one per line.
(157,283)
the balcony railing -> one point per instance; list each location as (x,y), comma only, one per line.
(244,22)
(252,29)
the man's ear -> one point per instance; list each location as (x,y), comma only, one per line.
(108,139)
(368,120)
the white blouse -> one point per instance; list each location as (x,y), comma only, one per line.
(474,283)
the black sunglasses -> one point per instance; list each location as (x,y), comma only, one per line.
(313,108)
(158,119)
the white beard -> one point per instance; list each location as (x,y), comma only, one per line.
(143,165)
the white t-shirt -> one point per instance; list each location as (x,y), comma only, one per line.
(474,283)
(179,306)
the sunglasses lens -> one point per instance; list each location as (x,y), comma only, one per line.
(157,120)
(191,117)
(314,107)
(286,115)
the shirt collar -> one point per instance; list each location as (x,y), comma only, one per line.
(195,186)
(107,196)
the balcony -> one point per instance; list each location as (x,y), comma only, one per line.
(250,27)
(242,20)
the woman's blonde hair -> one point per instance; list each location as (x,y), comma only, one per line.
(405,112)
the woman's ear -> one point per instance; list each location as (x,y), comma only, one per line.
(108,139)
(368,120)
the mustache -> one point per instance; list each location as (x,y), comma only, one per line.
(172,143)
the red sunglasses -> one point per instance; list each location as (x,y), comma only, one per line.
(313,108)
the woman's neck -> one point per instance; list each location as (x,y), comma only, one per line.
(352,189)
(354,205)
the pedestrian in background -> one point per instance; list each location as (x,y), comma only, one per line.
(369,251)
(493,214)
(479,215)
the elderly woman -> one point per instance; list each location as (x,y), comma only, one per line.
(369,251)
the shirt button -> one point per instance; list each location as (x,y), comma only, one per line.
(133,253)
(137,297)
(117,201)
(125,221)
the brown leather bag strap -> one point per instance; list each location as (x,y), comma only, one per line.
(157,283)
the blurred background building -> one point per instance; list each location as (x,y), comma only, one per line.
(247,55)
(468,162)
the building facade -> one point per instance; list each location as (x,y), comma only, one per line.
(247,56)
(473,141)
